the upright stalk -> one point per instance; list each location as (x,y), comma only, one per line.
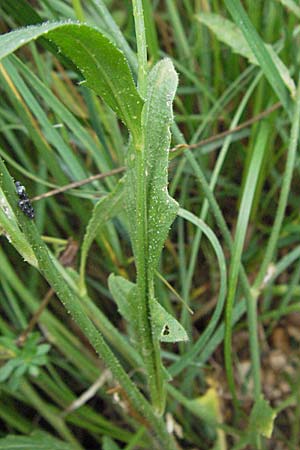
(149,345)
(73,305)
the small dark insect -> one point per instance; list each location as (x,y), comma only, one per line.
(166,330)
(24,202)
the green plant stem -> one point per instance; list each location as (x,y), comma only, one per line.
(141,45)
(151,34)
(149,346)
(78,10)
(73,305)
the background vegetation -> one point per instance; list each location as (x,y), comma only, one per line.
(233,163)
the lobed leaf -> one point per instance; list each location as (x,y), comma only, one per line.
(101,63)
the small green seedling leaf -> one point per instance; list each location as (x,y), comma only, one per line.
(101,63)
(261,419)
(231,35)
(105,209)
(261,423)
(37,441)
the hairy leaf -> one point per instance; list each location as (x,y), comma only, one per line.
(105,209)
(101,63)
(166,328)
(157,117)
(121,290)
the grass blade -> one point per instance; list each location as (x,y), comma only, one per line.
(258,48)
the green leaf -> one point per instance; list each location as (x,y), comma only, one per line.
(262,419)
(37,441)
(245,207)
(189,356)
(101,63)
(165,327)
(105,209)
(156,120)
(7,369)
(231,35)
(261,423)
(120,289)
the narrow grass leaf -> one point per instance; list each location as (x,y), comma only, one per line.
(292,6)
(51,134)
(239,240)
(190,356)
(259,50)
(101,63)
(61,111)
(37,441)
(284,193)
(230,34)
